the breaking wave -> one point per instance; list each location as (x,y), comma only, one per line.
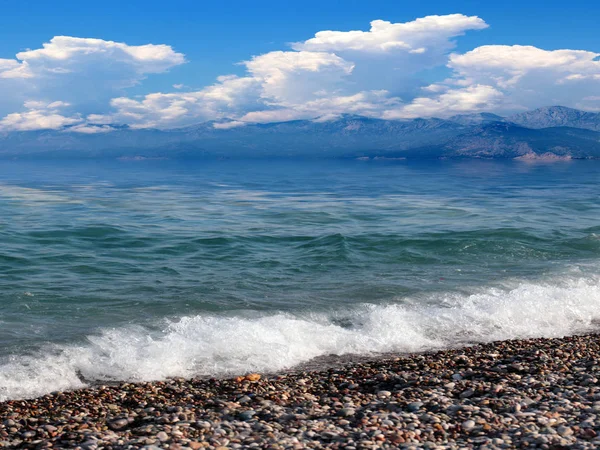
(223,345)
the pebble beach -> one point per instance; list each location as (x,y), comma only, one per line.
(538,393)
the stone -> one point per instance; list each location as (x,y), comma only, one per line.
(346,412)
(253,377)
(564,431)
(118,424)
(414,406)
(468,425)
(468,393)
(247,415)
(162,436)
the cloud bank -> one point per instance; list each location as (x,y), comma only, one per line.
(82,83)
(80,74)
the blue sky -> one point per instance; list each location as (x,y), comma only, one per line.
(213,38)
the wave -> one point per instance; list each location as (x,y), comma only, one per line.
(212,345)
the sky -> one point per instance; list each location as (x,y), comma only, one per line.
(86,66)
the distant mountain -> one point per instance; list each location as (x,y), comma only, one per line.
(507,140)
(557,116)
(346,135)
(554,132)
(476,119)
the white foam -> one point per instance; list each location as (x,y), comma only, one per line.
(217,345)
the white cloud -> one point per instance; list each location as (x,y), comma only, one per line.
(505,79)
(66,54)
(36,104)
(229,97)
(369,103)
(276,84)
(288,78)
(228,125)
(471,99)
(391,56)
(419,36)
(333,73)
(516,60)
(85,72)
(10,68)
(89,129)
(530,77)
(39,116)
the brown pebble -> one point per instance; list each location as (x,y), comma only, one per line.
(253,377)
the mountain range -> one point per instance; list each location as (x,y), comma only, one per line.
(551,133)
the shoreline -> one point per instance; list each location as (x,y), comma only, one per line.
(536,393)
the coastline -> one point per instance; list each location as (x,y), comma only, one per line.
(536,393)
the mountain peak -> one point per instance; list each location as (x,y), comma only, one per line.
(557,116)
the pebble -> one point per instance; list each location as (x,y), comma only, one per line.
(162,436)
(118,424)
(537,393)
(414,406)
(346,412)
(253,377)
(466,394)
(244,399)
(468,425)
(564,431)
(247,415)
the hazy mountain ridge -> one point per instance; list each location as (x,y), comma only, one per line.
(561,131)
(557,116)
(507,140)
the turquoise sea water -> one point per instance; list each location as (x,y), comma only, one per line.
(138,270)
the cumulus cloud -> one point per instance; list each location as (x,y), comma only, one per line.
(529,77)
(391,56)
(231,96)
(64,54)
(85,72)
(277,83)
(39,116)
(336,72)
(10,68)
(418,36)
(281,86)
(288,78)
(471,99)
(505,79)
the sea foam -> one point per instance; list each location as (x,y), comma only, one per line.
(227,345)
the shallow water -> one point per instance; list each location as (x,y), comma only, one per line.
(136,270)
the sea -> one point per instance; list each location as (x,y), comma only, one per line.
(134,270)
